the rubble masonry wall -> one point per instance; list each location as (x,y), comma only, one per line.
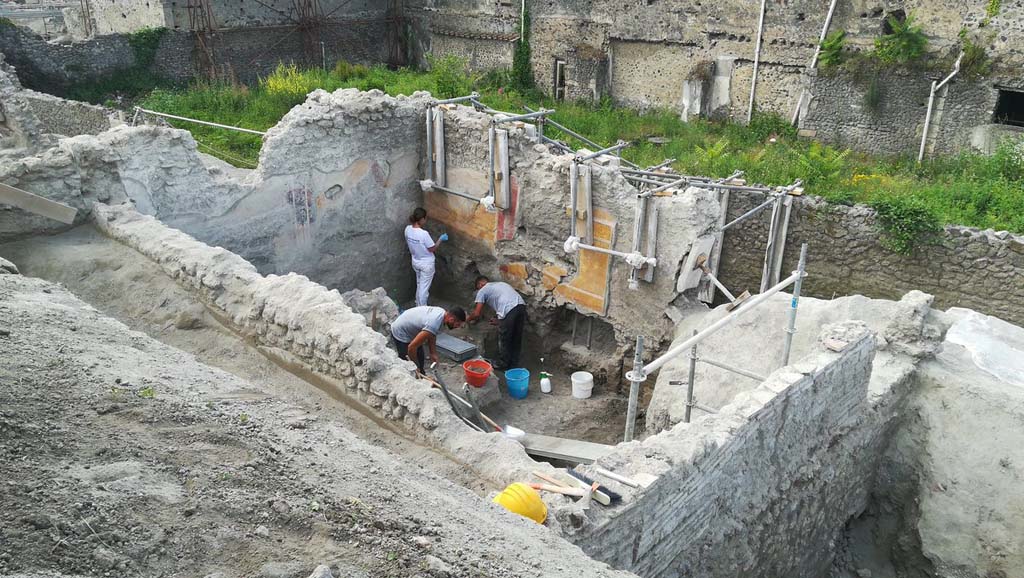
(964,267)
(765,486)
(243,54)
(69,117)
(651,49)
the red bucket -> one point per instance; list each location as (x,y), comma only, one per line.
(477,371)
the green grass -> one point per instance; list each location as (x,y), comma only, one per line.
(968,189)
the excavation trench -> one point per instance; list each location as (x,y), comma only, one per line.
(121,283)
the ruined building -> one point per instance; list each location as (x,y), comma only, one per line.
(196,376)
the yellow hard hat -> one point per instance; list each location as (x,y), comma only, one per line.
(521,499)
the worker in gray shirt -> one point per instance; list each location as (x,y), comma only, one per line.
(417,328)
(511,310)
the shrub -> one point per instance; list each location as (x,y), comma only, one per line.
(344,70)
(822,164)
(450,78)
(904,44)
(764,125)
(975,62)
(832,49)
(906,222)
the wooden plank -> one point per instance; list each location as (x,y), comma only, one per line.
(575,451)
(651,241)
(440,171)
(707,293)
(26,201)
(502,178)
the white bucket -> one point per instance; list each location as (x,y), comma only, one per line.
(582,384)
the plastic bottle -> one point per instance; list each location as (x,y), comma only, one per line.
(545,382)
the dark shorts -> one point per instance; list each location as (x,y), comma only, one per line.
(403,352)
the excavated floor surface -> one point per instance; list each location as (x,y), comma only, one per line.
(124,284)
(120,455)
(599,419)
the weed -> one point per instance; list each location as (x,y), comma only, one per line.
(344,70)
(522,71)
(873,95)
(822,164)
(243,418)
(831,53)
(144,45)
(906,222)
(147,393)
(992,8)
(904,44)
(975,63)
(450,79)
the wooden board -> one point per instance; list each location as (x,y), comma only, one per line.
(574,451)
(26,201)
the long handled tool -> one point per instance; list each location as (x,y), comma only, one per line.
(451,402)
(434,383)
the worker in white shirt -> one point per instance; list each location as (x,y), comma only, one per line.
(416,329)
(510,308)
(422,248)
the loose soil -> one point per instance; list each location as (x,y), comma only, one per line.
(126,285)
(122,456)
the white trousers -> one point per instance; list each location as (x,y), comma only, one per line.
(424,276)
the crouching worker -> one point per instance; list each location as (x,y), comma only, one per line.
(510,308)
(416,329)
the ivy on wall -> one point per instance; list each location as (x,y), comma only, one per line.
(522,72)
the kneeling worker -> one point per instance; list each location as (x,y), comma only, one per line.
(511,311)
(418,327)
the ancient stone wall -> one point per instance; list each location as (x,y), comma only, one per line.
(124,16)
(763,487)
(840,113)
(479,54)
(53,67)
(244,54)
(69,117)
(650,50)
(261,13)
(963,267)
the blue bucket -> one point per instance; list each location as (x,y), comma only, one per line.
(518,381)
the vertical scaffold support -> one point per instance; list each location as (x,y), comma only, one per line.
(491,145)
(574,184)
(635,377)
(502,177)
(690,381)
(430,143)
(791,326)
(440,172)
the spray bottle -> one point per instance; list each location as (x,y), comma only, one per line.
(545,379)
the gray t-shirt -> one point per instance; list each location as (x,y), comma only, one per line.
(499,296)
(412,321)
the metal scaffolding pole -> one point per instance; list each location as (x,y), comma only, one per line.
(791,327)
(690,380)
(634,387)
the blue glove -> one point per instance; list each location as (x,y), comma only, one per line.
(443,237)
